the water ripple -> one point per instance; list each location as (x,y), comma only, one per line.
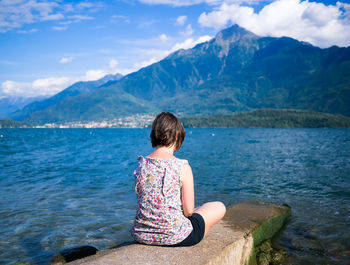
(68,187)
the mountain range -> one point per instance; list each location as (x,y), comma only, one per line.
(233,72)
(9,104)
(66,94)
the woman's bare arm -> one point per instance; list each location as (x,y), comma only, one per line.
(187,194)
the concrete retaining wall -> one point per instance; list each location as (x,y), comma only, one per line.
(232,241)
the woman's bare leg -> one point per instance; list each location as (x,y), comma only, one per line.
(212,212)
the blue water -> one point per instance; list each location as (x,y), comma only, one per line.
(62,188)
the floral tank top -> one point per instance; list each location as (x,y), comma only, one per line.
(159,217)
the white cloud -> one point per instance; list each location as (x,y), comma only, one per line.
(179,2)
(124,71)
(83,5)
(59,28)
(196,2)
(27,31)
(94,75)
(163,38)
(15,88)
(313,22)
(147,23)
(119,18)
(188,31)
(190,43)
(155,54)
(226,13)
(66,59)
(92,6)
(113,68)
(14,14)
(52,85)
(113,63)
(58,16)
(181,20)
(78,18)
(40,87)
(17,13)
(142,64)
(68,7)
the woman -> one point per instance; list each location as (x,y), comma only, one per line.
(164,188)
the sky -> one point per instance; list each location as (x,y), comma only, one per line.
(45,46)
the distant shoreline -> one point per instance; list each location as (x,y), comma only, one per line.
(269,118)
(262,118)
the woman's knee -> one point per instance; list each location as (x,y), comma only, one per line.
(220,208)
(212,212)
(214,209)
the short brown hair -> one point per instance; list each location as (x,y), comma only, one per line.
(167,130)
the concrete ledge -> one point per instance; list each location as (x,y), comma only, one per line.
(231,241)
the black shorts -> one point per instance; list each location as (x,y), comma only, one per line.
(197,233)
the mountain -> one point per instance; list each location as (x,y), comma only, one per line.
(9,104)
(235,71)
(71,91)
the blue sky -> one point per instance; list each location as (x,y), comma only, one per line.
(46,46)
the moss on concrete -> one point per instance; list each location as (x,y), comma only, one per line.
(270,226)
(262,220)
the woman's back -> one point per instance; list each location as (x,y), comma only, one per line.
(159,217)
(164,187)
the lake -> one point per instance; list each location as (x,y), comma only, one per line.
(62,188)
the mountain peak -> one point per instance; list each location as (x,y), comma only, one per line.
(233,34)
(111,77)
